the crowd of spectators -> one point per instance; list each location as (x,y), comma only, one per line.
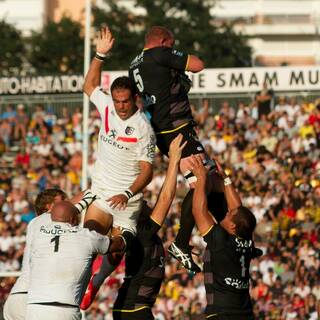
(272,158)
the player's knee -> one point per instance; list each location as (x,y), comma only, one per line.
(94,225)
(115,258)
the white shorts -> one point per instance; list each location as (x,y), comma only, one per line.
(49,312)
(127,218)
(15,306)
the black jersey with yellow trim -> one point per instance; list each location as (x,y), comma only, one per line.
(226,273)
(145,270)
(159,77)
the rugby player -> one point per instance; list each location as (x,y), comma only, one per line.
(229,250)
(60,263)
(16,303)
(145,258)
(158,75)
(124,160)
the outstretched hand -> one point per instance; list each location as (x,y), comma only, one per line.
(175,149)
(197,167)
(105,40)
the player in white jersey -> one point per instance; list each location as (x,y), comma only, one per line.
(60,262)
(126,149)
(16,303)
(125,156)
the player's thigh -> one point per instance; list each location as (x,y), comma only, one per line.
(15,307)
(48,312)
(144,314)
(193,145)
(98,219)
(127,219)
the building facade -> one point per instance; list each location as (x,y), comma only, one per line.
(281,32)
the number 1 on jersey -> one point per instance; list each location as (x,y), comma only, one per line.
(56,241)
(138,80)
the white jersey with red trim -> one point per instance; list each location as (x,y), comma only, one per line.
(122,144)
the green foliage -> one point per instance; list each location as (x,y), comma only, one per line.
(58,48)
(125,29)
(12,49)
(191,23)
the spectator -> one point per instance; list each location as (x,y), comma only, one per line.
(276,169)
(264,99)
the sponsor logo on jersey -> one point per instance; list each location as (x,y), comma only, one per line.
(177,53)
(242,243)
(137,60)
(129,130)
(112,142)
(113,134)
(151,147)
(237,283)
(57,229)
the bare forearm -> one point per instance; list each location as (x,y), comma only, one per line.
(143,179)
(93,76)
(199,203)
(232,197)
(169,186)
(202,217)
(167,194)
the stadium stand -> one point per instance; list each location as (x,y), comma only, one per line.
(273,161)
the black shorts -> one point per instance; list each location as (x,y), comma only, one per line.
(144,314)
(193,146)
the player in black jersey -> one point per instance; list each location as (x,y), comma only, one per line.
(229,250)
(145,261)
(158,73)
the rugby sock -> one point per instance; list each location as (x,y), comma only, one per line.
(106,269)
(186,222)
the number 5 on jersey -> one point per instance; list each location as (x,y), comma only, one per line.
(138,80)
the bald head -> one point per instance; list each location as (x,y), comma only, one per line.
(65,211)
(159,36)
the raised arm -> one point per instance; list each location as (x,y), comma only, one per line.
(104,44)
(204,220)
(169,186)
(232,196)
(194,64)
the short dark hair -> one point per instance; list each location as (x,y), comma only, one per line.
(47,197)
(245,222)
(123,83)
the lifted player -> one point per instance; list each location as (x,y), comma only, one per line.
(158,74)
(124,160)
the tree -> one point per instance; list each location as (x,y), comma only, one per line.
(196,32)
(126,29)
(12,49)
(58,48)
